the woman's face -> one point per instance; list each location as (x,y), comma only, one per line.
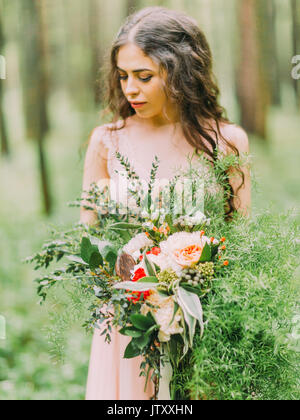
(142,83)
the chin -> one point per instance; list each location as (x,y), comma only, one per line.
(147,115)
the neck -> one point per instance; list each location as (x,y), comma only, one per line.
(155,122)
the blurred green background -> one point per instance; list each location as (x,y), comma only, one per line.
(49,104)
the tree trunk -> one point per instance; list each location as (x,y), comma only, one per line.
(3,132)
(252,86)
(295,7)
(267,14)
(96,50)
(35,85)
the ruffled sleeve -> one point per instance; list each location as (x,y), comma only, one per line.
(98,163)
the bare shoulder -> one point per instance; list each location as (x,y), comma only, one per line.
(236,136)
(97,134)
(104,138)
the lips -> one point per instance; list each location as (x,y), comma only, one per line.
(137,104)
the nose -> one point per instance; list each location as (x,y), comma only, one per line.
(131,88)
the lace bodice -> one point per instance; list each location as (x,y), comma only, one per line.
(172,157)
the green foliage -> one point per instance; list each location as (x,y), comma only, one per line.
(247,314)
(249,349)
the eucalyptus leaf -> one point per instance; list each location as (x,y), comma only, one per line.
(77,259)
(190,321)
(163,293)
(125,235)
(192,305)
(150,267)
(99,243)
(86,249)
(151,329)
(95,260)
(151,279)
(206,253)
(131,351)
(192,289)
(135,286)
(176,306)
(142,341)
(131,332)
(184,337)
(90,253)
(110,254)
(141,322)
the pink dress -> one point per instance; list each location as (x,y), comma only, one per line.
(110,376)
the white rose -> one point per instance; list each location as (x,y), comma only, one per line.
(163,315)
(137,243)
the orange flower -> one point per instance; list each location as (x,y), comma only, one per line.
(202,232)
(219,257)
(226,262)
(223,239)
(147,234)
(223,247)
(155,229)
(212,239)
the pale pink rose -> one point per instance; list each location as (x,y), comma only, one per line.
(188,256)
(184,248)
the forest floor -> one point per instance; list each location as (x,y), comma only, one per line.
(27,369)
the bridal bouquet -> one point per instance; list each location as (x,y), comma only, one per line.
(150,287)
(162,276)
(168,282)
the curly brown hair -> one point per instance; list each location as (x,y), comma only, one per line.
(174,41)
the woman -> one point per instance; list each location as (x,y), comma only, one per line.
(165,103)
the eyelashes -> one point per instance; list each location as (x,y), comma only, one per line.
(145,80)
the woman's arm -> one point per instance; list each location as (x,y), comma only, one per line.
(242,197)
(95,170)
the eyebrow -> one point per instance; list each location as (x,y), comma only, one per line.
(135,71)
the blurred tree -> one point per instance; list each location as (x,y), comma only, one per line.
(252,85)
(96,48)
(3,132)
(295,7)
(268,41)
(35,84)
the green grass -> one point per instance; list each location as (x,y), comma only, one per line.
(27,370)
